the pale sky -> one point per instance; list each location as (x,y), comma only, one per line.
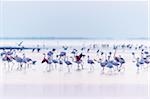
(75,19)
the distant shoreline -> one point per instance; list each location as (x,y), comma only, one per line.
(68,38)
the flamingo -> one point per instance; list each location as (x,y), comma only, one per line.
(133,54)
(3,53)
(55,61)
(50,53)
(38,48)
(20,43)
(78,60)
(110,65)
(102,64)
(68,63)
(48,61)
(138,64)
(74,52)
(142,61)
(146,61)
(97,51)
(19,60)
(121,61)
(65,47)
(88,50)
(83,48)
(91,62)
(116,64)
(62,55)
(27,61)
(44,59)
(9,60)
(61,64)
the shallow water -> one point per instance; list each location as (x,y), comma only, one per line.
(38,83)
(79,90)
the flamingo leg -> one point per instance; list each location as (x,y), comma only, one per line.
(68,68)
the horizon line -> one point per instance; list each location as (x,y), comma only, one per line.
(53,38)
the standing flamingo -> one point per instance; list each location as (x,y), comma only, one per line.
(102,64)
(147,61)
(121,61)
(91,62)
(9,60)
(68,63)
(19,60)
(27,61)
(110,64)
(138,65)
(79,61)
(62,55)
(55,61)
(61,64)
(134,59)
(48,61)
